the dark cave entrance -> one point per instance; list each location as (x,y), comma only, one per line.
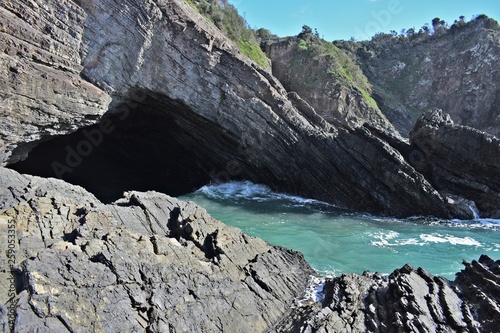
(155,144)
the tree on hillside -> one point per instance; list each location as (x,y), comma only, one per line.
(263,33)
(435,23)
(438,25)
(306,32)
(425,28)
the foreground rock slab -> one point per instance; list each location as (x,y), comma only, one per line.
(145,263)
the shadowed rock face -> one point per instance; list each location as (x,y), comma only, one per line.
(190,101)
(408,300)
(460,160)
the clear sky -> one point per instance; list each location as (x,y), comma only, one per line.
(361,19)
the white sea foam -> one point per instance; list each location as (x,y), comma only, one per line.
(384,238)
(314,291)
(253,192)
(392,239)
(438,238)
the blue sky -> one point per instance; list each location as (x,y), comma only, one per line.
(343,19)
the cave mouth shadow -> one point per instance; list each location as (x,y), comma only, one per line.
(153,144)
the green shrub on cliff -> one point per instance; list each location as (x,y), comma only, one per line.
(226,18)
(338,63)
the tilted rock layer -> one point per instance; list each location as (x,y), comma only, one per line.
(42,91)
(188,89)
(408,300)
(145,263)
(459,159)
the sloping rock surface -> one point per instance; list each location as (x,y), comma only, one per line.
(188,89)
(460,160)
(145,263)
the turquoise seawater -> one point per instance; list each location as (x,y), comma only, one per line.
(336,241)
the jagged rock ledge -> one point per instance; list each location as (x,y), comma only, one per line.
(151,263)
(408,300)
(148,262)
(459,160)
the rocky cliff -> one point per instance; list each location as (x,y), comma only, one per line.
(455,69)
(146,94)
(326,77)
(174,102)
(393,79)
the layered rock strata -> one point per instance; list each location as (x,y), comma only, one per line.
(459,159)
(148,262)
(189,89)
(408,300)
(42,91)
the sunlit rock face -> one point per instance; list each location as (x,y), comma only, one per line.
(175,95)
(455,71)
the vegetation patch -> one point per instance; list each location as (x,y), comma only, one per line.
(226,18)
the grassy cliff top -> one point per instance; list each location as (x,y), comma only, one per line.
(225,17)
